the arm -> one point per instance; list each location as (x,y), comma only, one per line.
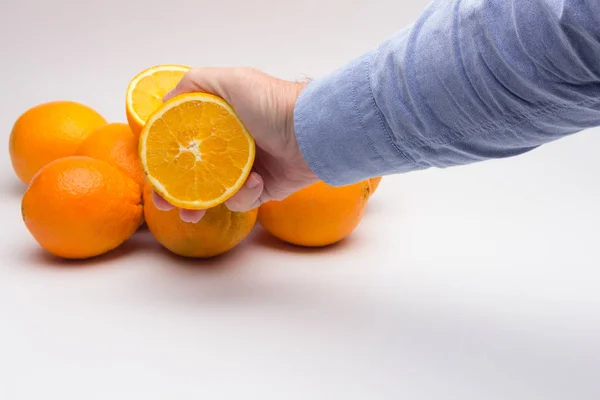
(471,80)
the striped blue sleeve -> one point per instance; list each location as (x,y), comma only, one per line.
(470,80)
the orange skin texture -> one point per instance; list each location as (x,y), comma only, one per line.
(79,207)
(48,132)
(318,215)
(375,184)
(219,231)
(118,146)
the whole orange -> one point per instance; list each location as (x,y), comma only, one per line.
(318,215)
(117,145)
(80,207)
(219,231)
(47,132)
(375,184)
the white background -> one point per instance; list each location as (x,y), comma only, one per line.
(478,282)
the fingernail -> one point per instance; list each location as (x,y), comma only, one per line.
(191,216)
(161,203)
(252,182)
(191,220)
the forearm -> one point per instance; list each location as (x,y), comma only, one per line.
(471,80)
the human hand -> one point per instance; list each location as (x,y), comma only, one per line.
(266,106)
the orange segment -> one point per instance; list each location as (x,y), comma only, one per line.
(195,151)
(146,91)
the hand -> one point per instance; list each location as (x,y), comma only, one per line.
(266,106)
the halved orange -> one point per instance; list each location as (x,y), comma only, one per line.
(195,151)
(146,91)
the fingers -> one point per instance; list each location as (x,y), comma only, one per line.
(191,216)
(247,198)
(161,203)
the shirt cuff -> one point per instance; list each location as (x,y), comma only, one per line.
(340,130)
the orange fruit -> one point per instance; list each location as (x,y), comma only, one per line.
(115,144)
(318,215)
(375,184)
(195,151)
(47,132)
(79,207)
(219,231)
(146,91)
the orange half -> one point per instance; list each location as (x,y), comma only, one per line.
(146,91)
(195,151)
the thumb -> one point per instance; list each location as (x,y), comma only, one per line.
(206,80)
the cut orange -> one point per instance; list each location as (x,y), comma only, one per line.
(146,91)
(195,151)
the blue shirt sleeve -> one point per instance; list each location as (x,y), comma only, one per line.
(470,80)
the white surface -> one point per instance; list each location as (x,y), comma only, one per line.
(478,282)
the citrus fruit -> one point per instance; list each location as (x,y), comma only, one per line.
(318,215)
(146,91)
(115,144)
(79,207)
(375,183)
(219,231)
(47,132)
(195,151)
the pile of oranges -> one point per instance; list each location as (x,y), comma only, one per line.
(88,192)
